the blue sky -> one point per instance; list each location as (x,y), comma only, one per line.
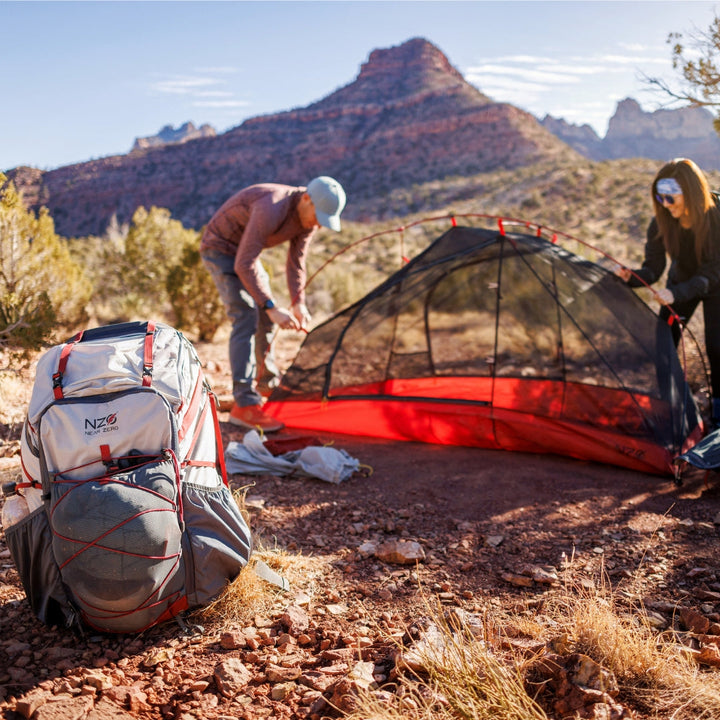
(82,80)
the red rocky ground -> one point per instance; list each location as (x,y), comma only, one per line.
(498,532)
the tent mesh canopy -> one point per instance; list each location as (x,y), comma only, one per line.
(501,335)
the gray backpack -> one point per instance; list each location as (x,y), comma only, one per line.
(137,522)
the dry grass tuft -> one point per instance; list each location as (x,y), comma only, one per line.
(248,594)
(654,670)
(479,684)
(467,676)
(463,676)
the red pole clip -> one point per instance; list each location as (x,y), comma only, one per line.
(501,226)
(453,221)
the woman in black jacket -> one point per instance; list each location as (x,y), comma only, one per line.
(686,228)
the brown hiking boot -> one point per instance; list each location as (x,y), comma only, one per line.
(252,417)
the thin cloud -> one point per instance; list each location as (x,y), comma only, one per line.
(540,76)
(214,93)
(634,47)
(524,59)
(504,86)
(573,69)
(206,91)
(220,103)
(595,120)
(183,85)
(482,71)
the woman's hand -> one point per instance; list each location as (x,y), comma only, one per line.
(622,272)
(665,297)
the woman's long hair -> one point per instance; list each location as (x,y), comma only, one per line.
(699,203)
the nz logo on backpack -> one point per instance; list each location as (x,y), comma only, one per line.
(138,523)
(93,426)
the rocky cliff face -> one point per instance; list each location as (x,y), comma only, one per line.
(172,136)
(580,137)
(659,135)
(663,134)
(408,117)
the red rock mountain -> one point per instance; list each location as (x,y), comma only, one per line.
(409,117)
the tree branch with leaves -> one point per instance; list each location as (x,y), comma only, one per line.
(696,58)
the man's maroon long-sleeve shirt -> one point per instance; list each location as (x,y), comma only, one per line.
(259,217)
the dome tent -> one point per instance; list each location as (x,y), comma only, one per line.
(501,340)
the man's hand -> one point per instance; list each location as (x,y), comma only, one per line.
(282,318)
(302,315)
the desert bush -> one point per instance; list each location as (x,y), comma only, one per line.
(42,289)
(132,275)
(194,299)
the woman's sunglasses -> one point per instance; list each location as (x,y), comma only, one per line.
(662,199)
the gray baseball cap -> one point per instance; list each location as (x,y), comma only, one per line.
(328,198)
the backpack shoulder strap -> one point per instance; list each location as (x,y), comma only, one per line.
(57,378)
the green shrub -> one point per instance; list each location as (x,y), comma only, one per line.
(27,323)
(132,275)
(42,289)
(193,296)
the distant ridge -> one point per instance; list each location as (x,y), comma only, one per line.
(408,118)
(171,136)
(659,135)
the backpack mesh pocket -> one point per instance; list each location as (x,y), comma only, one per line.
(118,542)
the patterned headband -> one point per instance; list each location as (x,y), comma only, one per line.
(669,186)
